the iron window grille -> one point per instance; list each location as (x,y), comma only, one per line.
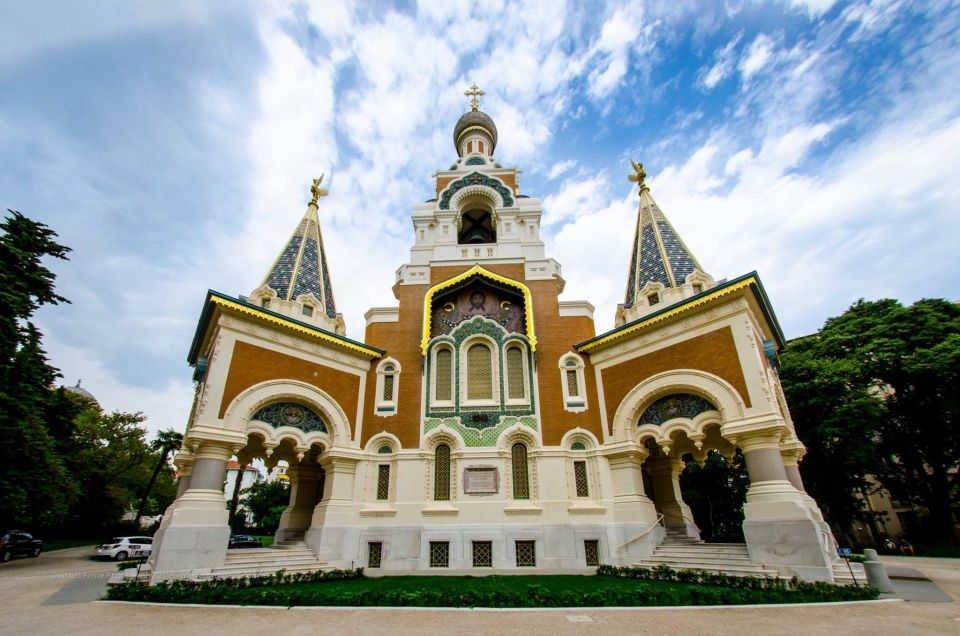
(439,554)
(591,551)
(521,480)
(441,473)
(580,476)
(383,482)
(483,554)
(375,550)
(526,554)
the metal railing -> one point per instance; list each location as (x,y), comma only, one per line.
(659,522)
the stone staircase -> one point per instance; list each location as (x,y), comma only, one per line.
(685,553)
(289,556)
(842,576)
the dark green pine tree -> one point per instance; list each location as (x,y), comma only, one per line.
(34,487)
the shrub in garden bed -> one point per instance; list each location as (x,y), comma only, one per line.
(617,587)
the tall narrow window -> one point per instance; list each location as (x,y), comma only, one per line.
(441,473)
(521,480)
(383,482)
(573,385)
(388,387)
(571,377)
(515,383)
(580,477)
(444,379)
(388,376)
(479,373)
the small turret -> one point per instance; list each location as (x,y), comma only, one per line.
(298,282)
(662,269)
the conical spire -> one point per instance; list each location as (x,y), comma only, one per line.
(301,268)
(658,253)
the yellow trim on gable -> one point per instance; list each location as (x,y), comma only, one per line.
(294,326)
(473,271)
(668,314)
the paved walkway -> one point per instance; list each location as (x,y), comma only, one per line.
(51,595)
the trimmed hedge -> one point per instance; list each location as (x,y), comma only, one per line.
(617,587)
(814,591)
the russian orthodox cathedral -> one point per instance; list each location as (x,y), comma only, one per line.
(482,422)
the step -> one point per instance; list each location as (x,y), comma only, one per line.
(704,547)
(701,559)
(272,554)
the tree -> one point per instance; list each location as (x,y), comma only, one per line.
(716,492)
(875,392)
(165,443)
(266,501)
(34,487)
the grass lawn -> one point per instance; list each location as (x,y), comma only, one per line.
(266,539)
(491,591)
(952,552)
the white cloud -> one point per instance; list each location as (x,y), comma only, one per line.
(813,8)
(756,56)
(560,168)
(723,65)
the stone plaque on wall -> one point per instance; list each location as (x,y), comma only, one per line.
(481,480)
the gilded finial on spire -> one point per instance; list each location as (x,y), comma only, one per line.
(638,176)
(473,94)
(317,191)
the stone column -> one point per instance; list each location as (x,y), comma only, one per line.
(184,464)
(196,536)
(334,529)
(791,458)
(295,520)
(665,472)
(779,527)
(635,533)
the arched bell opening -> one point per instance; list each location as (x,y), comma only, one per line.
(477,224)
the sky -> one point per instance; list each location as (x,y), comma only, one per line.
(171,145)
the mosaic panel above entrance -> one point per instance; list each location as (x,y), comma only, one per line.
(291,414)
(673,406)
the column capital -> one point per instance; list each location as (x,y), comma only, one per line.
(184,463)
(759,441)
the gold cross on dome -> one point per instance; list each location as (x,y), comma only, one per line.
(473,94)
(317,191)
(639,174)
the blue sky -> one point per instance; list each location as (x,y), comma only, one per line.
(172,144)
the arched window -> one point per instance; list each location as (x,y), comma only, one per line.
(388,380)
(521,477)
(441,473)
(443,376)
(477,226)
(479,372)
(572,381)
(516,387)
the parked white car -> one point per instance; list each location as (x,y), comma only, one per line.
(122,548)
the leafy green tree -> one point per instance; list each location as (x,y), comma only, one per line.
(716,492)
(875,392)
(266,501)
(34,487)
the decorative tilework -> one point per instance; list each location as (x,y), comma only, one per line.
(475,178)
(290,414)
(676,405)
(302,266)
(474,438)
(475,161)
(658,253)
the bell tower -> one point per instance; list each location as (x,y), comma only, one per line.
(478,215)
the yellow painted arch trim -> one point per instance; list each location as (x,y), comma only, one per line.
(223,302)
(476,270)
(640,324)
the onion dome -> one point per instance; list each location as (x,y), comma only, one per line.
(471,121)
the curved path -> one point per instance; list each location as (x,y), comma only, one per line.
(52,595)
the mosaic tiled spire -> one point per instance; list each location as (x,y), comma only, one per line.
(658,253)
(301,267)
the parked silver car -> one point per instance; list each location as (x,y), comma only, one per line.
(122,548)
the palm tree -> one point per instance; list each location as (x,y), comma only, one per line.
(165,442)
